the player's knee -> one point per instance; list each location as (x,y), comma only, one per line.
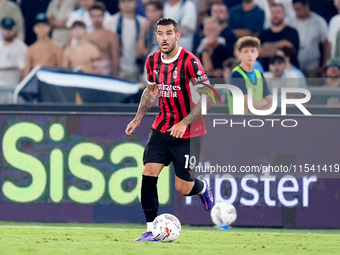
(151,170)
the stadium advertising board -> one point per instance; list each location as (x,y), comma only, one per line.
(83,168)
(73,168)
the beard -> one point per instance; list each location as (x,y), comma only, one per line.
(169,50)
(9,39)
(277,23)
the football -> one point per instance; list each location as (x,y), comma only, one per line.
(223,214)
(166,227)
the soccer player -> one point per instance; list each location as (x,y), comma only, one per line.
(245,76)
(169,73)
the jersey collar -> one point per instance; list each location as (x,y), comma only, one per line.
(169,61)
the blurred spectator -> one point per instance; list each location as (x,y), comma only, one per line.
(312,30)
(12,54)
(147,41)
(277,76)
(80,53)
(278,35)
(292,71)
(184,12)
(58,12)
(127,25)
(213,49)
(220,12)
(265,6)
(82,14)
(43,52)
(106,41)
(246,19)
(30,9)
(228,66)
(204,11)
(10,9)
(334,28)
(332,73)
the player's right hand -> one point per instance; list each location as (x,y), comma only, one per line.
(130,129)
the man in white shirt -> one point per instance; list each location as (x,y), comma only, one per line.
(12,54)
(185,14)
(334,27)
(127,25)
(312,29)
(82,14)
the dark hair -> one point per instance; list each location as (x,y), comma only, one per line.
(167,21)
(275,59)
(288,51)
(157,3)
(78,23)
(303,2)
(247,41)
(99,6)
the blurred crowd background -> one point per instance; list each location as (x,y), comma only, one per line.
(300,38)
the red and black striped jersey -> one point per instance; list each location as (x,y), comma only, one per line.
(177,80)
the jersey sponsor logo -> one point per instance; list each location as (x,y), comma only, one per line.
(201,78)
(168,90)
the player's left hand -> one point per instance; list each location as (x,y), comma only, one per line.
(178,129)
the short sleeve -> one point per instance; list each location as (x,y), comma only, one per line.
(196,72)
(323,30)
(149,71)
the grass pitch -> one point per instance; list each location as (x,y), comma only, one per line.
(41,239)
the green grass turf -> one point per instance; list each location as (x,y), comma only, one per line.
(41,239)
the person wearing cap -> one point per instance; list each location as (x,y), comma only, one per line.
(10,9)
(12,54)
(44,51)
(332,73)
(81,53)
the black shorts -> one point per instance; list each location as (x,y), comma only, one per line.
(163,149)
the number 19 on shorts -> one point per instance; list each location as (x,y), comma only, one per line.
(190,161)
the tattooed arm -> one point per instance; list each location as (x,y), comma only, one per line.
(178,129)
(148,99)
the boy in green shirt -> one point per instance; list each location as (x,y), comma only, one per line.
(245,76)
